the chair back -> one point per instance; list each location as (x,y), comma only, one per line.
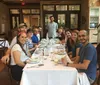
(3,48)
(98,60)
(98,54)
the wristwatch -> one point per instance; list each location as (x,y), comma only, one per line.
(24,62)
(67,64)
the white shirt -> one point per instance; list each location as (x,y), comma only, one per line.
(5,43)
(23,56)
(14,41)
(38,35)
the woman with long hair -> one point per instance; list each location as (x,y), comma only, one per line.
(75,44)
(19,56)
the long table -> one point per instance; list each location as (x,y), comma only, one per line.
(49,74)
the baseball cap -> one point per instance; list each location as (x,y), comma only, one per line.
(22,24)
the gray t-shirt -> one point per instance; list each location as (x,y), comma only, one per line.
(52,28)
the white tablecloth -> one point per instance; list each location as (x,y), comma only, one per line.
(49,74)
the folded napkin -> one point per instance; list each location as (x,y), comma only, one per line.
(83,80)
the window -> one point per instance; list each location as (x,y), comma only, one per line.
(74,21)
(74,7)
(48,7)
(61,20)
(26,11)
(61,7)
(35,11)
(14,11)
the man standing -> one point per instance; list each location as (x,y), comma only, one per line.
(52,28)
(87,59)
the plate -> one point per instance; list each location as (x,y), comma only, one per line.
(34,60)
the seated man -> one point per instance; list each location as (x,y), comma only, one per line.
(34,37)
(29,42)
(87,59)
(4,45)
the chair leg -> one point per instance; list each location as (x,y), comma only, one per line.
(9,74)
(17,82)
(98,81)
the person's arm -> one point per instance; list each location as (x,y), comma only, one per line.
(56,26)
(88,56)
(17,55)
(77,53)
(5,58)
(36,46)
(64,60)
(83,65)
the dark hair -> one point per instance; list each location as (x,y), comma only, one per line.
(19,34)
(72,42)
(51,16)
(62,37)
(34,28)
(29,30)
(67,30)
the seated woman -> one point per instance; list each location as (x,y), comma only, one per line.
(61,35)
(75,45)
(18,56)
(67,40)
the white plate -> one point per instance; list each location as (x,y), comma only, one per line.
(32,62)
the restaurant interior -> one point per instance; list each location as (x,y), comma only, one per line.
(72,14)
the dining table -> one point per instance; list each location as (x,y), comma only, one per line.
(47,69)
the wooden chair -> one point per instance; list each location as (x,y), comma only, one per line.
(2,66)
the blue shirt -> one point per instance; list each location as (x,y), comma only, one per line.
(35,39)
(77,45)
(30,43)
(88,52)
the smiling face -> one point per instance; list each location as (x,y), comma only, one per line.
(68,34)
(60,30)
(74,36)
(83,36)
(22,29)
(36,31)
(29,34)
(51,18)
(22,38)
